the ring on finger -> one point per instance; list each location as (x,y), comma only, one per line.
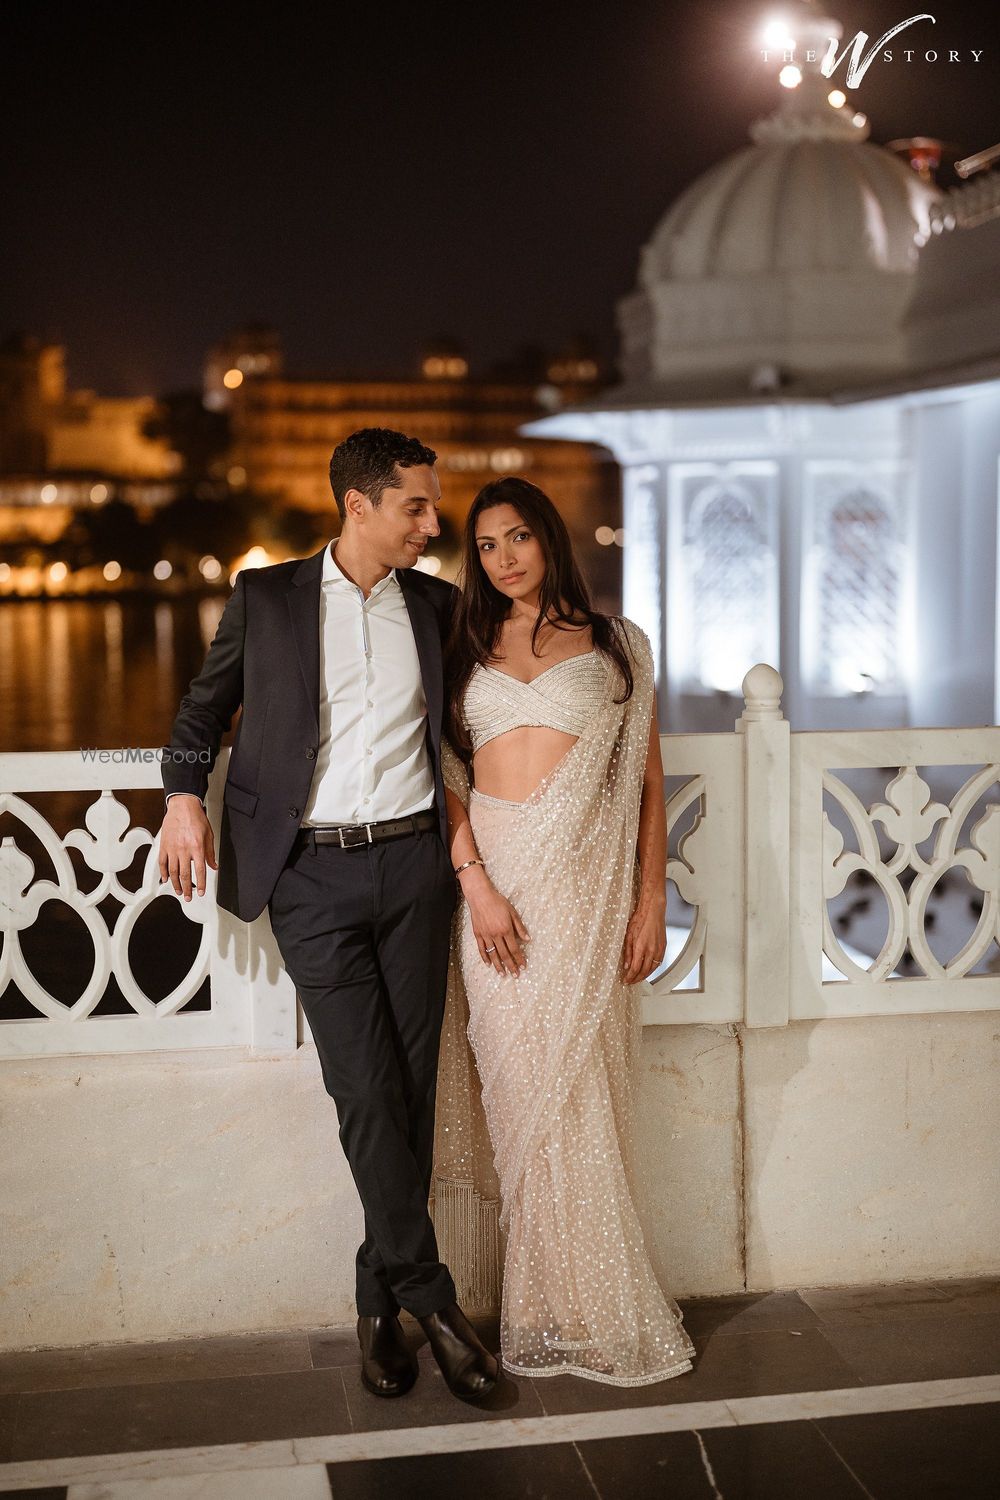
(492,949)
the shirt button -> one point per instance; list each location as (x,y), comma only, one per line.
(369,752)
(293,812)
(310,753)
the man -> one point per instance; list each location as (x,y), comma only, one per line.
(334,818)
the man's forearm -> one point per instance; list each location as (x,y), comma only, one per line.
(207,708)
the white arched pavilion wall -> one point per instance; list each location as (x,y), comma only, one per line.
(786,459)
(954,437)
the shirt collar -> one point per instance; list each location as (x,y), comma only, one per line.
(334,575)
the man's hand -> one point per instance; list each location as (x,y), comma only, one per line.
(185,838)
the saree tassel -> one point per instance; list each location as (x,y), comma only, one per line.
(468,1235)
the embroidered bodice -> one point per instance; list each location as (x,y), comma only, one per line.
(566,696)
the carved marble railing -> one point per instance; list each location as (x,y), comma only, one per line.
(778,834)
(251,1002)
(768,838)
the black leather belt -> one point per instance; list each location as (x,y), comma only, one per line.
(357,835)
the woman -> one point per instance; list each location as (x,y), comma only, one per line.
(560,848)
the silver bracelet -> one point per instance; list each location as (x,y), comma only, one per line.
(469,862)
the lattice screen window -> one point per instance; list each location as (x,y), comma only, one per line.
(856,598)
(724,615)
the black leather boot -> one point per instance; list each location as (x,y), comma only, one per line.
(388,1364)
(468,1367)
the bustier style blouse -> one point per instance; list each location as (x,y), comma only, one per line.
(566,696)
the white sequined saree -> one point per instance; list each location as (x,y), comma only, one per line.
(542,1067)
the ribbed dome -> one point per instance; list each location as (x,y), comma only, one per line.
(788,265)
(788,205)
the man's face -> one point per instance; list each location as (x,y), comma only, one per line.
(397,531)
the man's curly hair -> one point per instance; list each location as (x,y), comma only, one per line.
(368,459)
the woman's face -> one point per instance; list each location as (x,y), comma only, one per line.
(509,551)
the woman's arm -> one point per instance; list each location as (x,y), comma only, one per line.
(646,934)
(498,929)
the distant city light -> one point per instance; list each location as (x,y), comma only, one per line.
(48,493)
(58,572)
(163,569)
(4,572)
(210,567)
(237,475)
(605,535)
(837,98)
(257,557)
(859,119)
(572,369)
(790,76)
(443,367)
(469,459)
(430,565)
(506,458)
(232,379)
(98,493)
(112,570)
(619,536)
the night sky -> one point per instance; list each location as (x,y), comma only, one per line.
(368,178)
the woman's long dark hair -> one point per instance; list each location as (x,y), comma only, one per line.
(482,609)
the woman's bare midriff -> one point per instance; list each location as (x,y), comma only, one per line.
(512,765)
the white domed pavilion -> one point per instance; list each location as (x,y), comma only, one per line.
(797,252)
(810,362)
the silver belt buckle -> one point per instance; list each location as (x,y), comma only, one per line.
(365,832)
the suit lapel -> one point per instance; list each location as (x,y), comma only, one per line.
(303,606)
(426,634)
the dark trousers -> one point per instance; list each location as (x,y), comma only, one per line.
(364,935)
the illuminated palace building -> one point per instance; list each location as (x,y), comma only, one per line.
(64,451)
(284,428)
(61,448)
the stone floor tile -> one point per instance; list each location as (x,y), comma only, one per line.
(184,1413)
(948,1453)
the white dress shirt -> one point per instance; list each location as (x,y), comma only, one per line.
(372,760)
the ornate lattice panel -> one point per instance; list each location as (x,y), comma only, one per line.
(723,588)
(895,873)
(700,979)
(854,597)
(108,847)
(80,907)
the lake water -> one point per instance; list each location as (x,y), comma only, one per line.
(98,673)
(101,674)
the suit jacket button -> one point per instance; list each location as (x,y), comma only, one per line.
(310,753)
(293,812)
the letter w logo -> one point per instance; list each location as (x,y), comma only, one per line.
(859,65)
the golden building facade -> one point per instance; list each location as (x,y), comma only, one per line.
(283,432)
